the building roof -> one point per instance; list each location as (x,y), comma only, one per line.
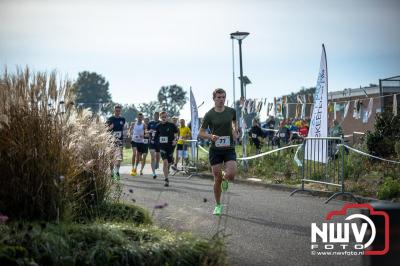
(346,93)
(389,86)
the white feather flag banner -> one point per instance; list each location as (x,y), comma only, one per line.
(319,120)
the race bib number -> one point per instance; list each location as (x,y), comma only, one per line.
(223,141)
(282,135)
(163,139)
(146,141)
(136,137)
(117,134)
(153,133)
(254,136)
(180,138)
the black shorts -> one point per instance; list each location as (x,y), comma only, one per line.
(181,147)
(145,148)
(256,143)
(167,153)
(154,146)
(139,146)
(221,156)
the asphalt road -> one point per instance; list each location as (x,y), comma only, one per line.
(262,226)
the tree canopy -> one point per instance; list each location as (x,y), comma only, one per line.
(129,112)
(148,109)
(171,99)
(92,90)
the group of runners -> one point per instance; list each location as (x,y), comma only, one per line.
(160,136)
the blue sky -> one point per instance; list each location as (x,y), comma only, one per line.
(140,46)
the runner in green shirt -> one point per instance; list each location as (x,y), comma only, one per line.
(221,120)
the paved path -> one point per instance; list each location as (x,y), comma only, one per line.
(264,226)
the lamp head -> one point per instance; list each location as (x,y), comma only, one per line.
(239,35)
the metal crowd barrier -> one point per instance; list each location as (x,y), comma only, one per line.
(355,137)
(323,162)
(190,167)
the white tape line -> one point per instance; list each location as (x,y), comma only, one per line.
(299,146)
(268,129)
(268,152)
(296,158)
(201,148)
(366,154)
(258,155)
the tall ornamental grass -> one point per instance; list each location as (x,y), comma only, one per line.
(91,149)
(53,159)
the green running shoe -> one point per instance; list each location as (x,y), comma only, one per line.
(224,185)
(218,209)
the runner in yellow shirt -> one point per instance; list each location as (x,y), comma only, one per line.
(183,134)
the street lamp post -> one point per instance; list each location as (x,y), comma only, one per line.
(246,81)
(240,36)
(233,75)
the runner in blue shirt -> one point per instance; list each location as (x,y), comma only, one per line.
(116,125)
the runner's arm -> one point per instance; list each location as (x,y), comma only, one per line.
(204,135)
(175,139)
(110,124)
(204,126)
(156,135)
(130,129)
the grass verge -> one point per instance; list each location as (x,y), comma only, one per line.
(103,244)
(121,235)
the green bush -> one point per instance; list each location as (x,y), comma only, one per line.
(355,165)
(104,244)
(389,189)
(382,141)
(123,212)
(397,149)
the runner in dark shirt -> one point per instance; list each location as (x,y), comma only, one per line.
(270,126)
(116,125)
(154,146)
(221,120)
(255,134)
(146,142)
(166,135)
